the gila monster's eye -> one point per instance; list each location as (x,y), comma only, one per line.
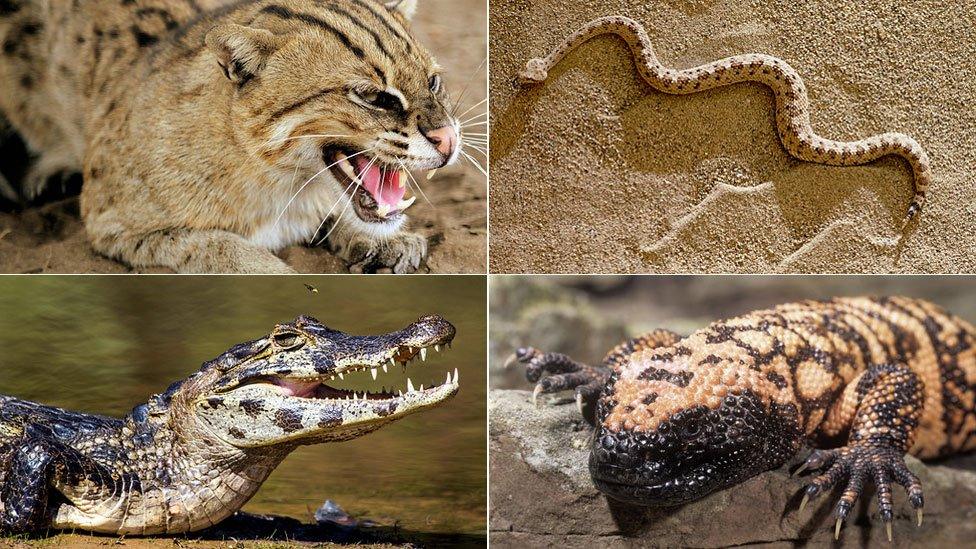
(435,83)
(288,340)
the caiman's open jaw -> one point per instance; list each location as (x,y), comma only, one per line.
(286,393)
(378,191)
(318,389)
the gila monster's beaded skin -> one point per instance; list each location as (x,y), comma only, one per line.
(864,380)
(792,103)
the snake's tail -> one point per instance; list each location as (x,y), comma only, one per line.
(914,209)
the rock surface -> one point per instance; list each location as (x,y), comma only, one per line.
(541,495)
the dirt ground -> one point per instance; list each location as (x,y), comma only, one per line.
(245,530)
(596,172)
(50,238)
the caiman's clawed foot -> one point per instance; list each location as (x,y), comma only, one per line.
(562,373)
(862,463)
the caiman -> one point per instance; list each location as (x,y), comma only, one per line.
(194,454)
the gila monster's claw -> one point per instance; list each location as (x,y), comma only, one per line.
(535,394)
(522,354)
(860,463)
(561,372)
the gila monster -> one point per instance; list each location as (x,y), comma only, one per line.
(861,380)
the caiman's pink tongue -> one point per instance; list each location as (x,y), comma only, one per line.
(297,388)
(385,187)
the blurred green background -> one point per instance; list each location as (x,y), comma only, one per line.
(585,316)
(104,344)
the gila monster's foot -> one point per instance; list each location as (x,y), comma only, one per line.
(860,463)
(564,373)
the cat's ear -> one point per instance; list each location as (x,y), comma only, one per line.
(406,8)
(241,51)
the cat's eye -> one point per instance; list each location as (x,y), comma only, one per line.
(381,100)
(435,83)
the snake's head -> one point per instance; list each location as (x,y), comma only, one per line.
(534,72)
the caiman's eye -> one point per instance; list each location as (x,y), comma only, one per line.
(435,83)
(288,340)
(380,100)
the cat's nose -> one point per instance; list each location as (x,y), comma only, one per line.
(444,139)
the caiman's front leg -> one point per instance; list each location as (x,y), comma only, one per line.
(888,405)
(25,488)
(38,465)
(564,373)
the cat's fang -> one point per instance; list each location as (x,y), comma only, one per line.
(346,167)
(430,174)
(406,203)
(402,180)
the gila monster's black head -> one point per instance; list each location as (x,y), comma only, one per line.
(276,389)
(669,433)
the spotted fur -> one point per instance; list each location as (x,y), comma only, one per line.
(190,121)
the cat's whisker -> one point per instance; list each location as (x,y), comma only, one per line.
(472,124)
(475,162)
(345,193)
(473,118)
(473,107)
(416,183)
(467,84)
(320,172)
(338,218)
(477,148)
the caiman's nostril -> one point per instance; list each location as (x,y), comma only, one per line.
(443,138)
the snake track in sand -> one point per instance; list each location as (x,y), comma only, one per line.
(792,104)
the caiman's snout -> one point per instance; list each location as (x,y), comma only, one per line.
(432,330)
(294,385)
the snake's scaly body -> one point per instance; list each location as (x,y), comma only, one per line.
(792,104)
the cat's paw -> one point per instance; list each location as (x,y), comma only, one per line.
(401,253)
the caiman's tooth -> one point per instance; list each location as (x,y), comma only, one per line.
(423,354)
(384,365)
(341,376)
(421,387)
(401,393)
(372,371)
(455,376)
(409,385)
(448,382)
(332,378)
(437,348)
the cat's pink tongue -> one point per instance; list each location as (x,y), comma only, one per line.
(385,187)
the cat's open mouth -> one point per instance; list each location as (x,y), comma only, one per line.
(377,191)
